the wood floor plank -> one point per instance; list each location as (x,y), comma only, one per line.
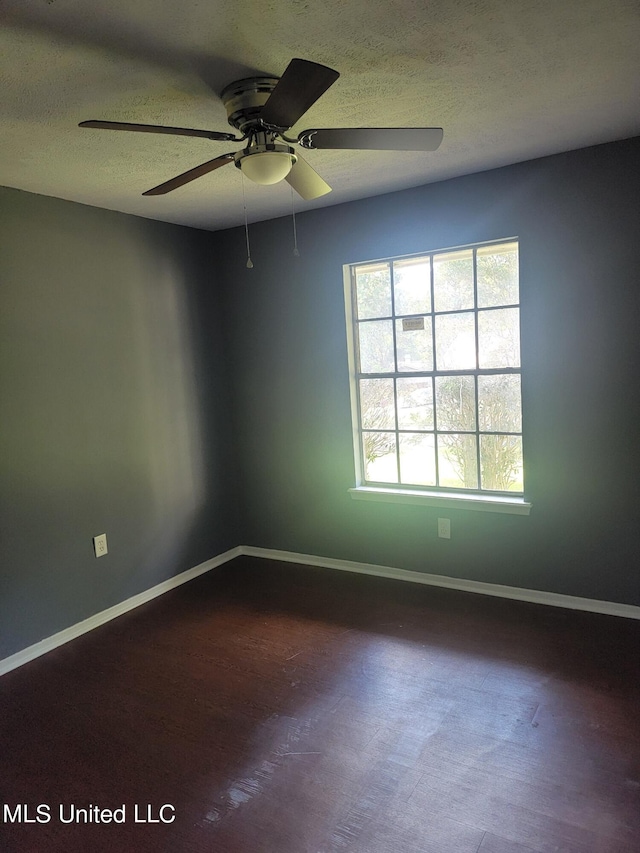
(495,844)
(288,709)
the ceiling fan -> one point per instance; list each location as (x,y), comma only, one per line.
(263,109)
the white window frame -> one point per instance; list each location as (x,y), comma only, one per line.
(483,501)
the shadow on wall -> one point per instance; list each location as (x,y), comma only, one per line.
(169,428)
(102,417)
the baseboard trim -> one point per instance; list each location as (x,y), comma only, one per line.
(552,599)
(68,634)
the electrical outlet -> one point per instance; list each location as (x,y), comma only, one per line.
(100,545)
(444,528)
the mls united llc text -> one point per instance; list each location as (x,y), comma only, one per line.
(44,813)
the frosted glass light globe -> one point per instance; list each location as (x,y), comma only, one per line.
(266,167)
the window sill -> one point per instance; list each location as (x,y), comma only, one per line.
(448,500)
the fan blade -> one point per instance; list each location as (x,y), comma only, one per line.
(374,138)
(306,181)
(191,175)
(298,89)
(159,128)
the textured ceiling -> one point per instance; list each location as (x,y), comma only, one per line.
(507,79)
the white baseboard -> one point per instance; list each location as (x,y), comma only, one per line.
(62,637)
(552,599)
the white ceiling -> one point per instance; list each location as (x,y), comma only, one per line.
(508,80)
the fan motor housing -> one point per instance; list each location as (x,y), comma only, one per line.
(263,146)
(244,99)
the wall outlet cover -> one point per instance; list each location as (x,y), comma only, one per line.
(444,528)
(100,545)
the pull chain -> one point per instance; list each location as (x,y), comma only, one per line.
(295,233)
(246,225)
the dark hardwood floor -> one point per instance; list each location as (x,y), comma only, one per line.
(287,709)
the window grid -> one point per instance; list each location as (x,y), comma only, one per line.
(475,380)
(394,335)
(438,313)
(396,374)
(432,290)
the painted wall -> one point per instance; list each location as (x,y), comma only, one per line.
(114,411)
(576,215)
(154,389)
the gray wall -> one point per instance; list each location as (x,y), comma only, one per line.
(154,389)
(114,412)
(576,215)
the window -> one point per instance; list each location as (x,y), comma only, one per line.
(435,358)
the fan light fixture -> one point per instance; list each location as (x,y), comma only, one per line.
(266,163)
(262,109)
(267,167)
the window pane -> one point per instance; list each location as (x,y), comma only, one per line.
(455,342)
(499,404)
(417,459)
(412,286)
(376,347)
(377,408)
(453,280)
(501,462)
(499,338)
(380,463)
(497,270)
(373,291)
(415,347)
(415,403)
(425,328)
(457,461)
(456,402)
